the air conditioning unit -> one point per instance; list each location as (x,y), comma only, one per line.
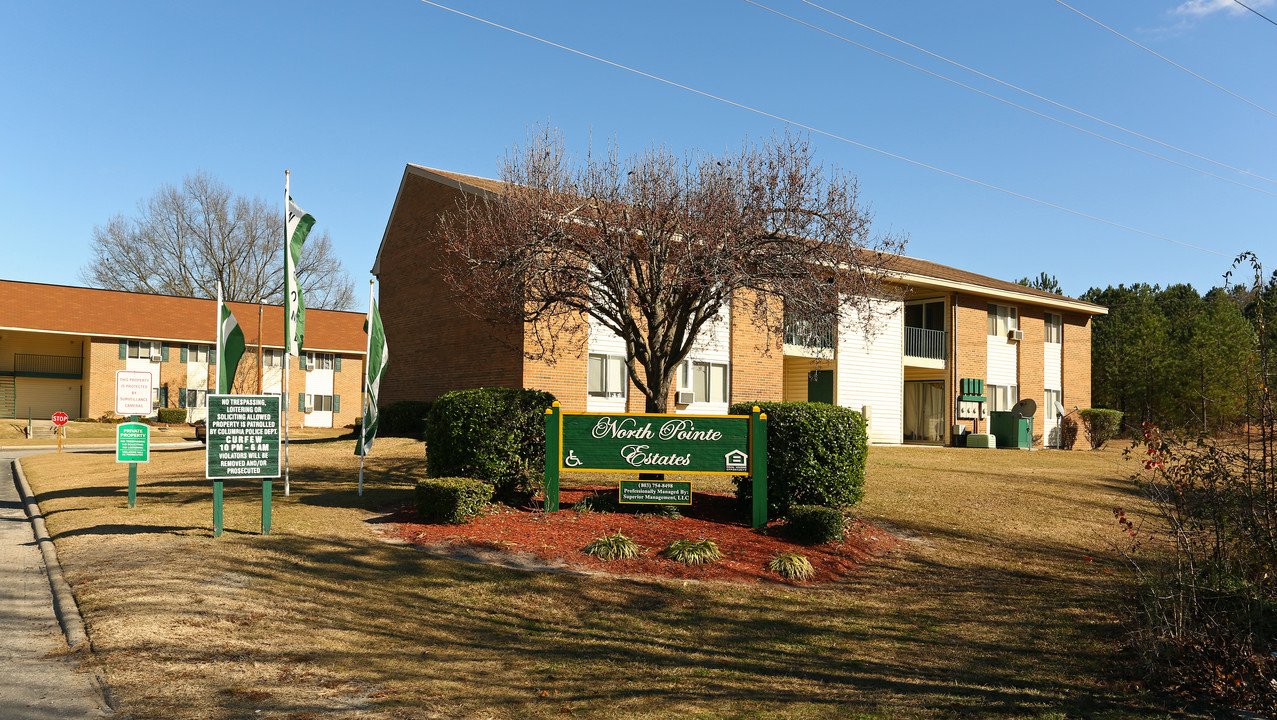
(685,397)
(1015,334)
(156,358)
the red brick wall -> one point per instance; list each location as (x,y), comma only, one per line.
(1031,363)
(567,373)
(758,363)
(971,349)
(103,360)
(1077,368)
(435,344)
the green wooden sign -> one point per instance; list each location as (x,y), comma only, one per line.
(243,437)
(654,492)
(132,442)
(701,444)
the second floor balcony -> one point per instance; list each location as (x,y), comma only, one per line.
(924,347)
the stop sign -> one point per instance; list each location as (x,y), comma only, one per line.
(60,418)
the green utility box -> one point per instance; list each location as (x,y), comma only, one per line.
(1011,431)
(981,440)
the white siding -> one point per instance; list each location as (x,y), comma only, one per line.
(602,340)
(319,382)
(1052,379)
(713,344)
(196,379)
(871,371)
(1002,366)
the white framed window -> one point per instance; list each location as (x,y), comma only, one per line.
(155,398)
(144,349)
(1002,397)
(1051,398)
(319,403)
(607,376)
(319,361)
(1054,328)
(196,398)
(273,358)
(198,353)
(1002,319)
(708,381)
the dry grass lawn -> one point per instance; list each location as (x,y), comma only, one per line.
(991,609)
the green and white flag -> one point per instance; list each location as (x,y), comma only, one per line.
(297,227)
(230,345)
(374,367)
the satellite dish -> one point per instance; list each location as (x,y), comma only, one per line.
(1059,409)
(1025,408)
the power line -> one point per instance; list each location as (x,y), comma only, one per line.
(1032,94)
(1239,2)
(1163,57)
(1016,105)
(816,130)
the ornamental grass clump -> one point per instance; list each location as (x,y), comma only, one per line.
(792,566)
(692,552)
(613,547)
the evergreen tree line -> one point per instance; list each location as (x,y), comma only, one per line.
(1178,358)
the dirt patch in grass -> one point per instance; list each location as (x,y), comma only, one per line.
(558,540)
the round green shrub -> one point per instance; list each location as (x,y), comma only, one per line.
(494,434)
(815,456)
(813,524)
(791,565)
(1101,425)
(406,418)
(171,416)
(452,500)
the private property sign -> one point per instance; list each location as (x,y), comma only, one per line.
(243,437)
(701,444)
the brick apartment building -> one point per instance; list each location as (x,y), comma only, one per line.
(60,347)
(951,324)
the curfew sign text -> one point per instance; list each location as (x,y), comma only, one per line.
(700,444)
(243,436)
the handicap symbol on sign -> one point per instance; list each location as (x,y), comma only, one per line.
(571,460)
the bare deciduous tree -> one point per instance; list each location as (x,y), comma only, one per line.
(185,239)
(652,246)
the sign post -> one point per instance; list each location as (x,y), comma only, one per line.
(243,442)
(59,420)
(645,443)
(132,446)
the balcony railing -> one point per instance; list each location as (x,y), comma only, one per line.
(48,366)
(810,334)
(922,343)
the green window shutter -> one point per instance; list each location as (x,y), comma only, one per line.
(181,397)
(301,402)
(337,364)
(336,403)
(164,396)
(301,361)
(164,352)
(124,349)
(186,349)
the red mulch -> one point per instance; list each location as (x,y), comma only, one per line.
(559,538)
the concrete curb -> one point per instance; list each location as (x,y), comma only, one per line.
(64,606)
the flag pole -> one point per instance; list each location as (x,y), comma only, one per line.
(217,383)
(288,364)
(363,431)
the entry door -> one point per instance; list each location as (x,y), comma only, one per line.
(820,386)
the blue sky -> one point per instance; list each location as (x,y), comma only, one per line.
(105,102)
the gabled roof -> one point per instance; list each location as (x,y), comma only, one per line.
(911,271)
(70,310)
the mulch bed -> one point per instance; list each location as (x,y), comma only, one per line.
(558,538)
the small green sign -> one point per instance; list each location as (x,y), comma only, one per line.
(654,492)
(243,437)
(702,444)
(132,443)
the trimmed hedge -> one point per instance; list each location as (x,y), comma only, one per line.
(1101,425)
(813,524)
(453,500)
(406,418)
(494,434)
(815,456)
(172,415)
